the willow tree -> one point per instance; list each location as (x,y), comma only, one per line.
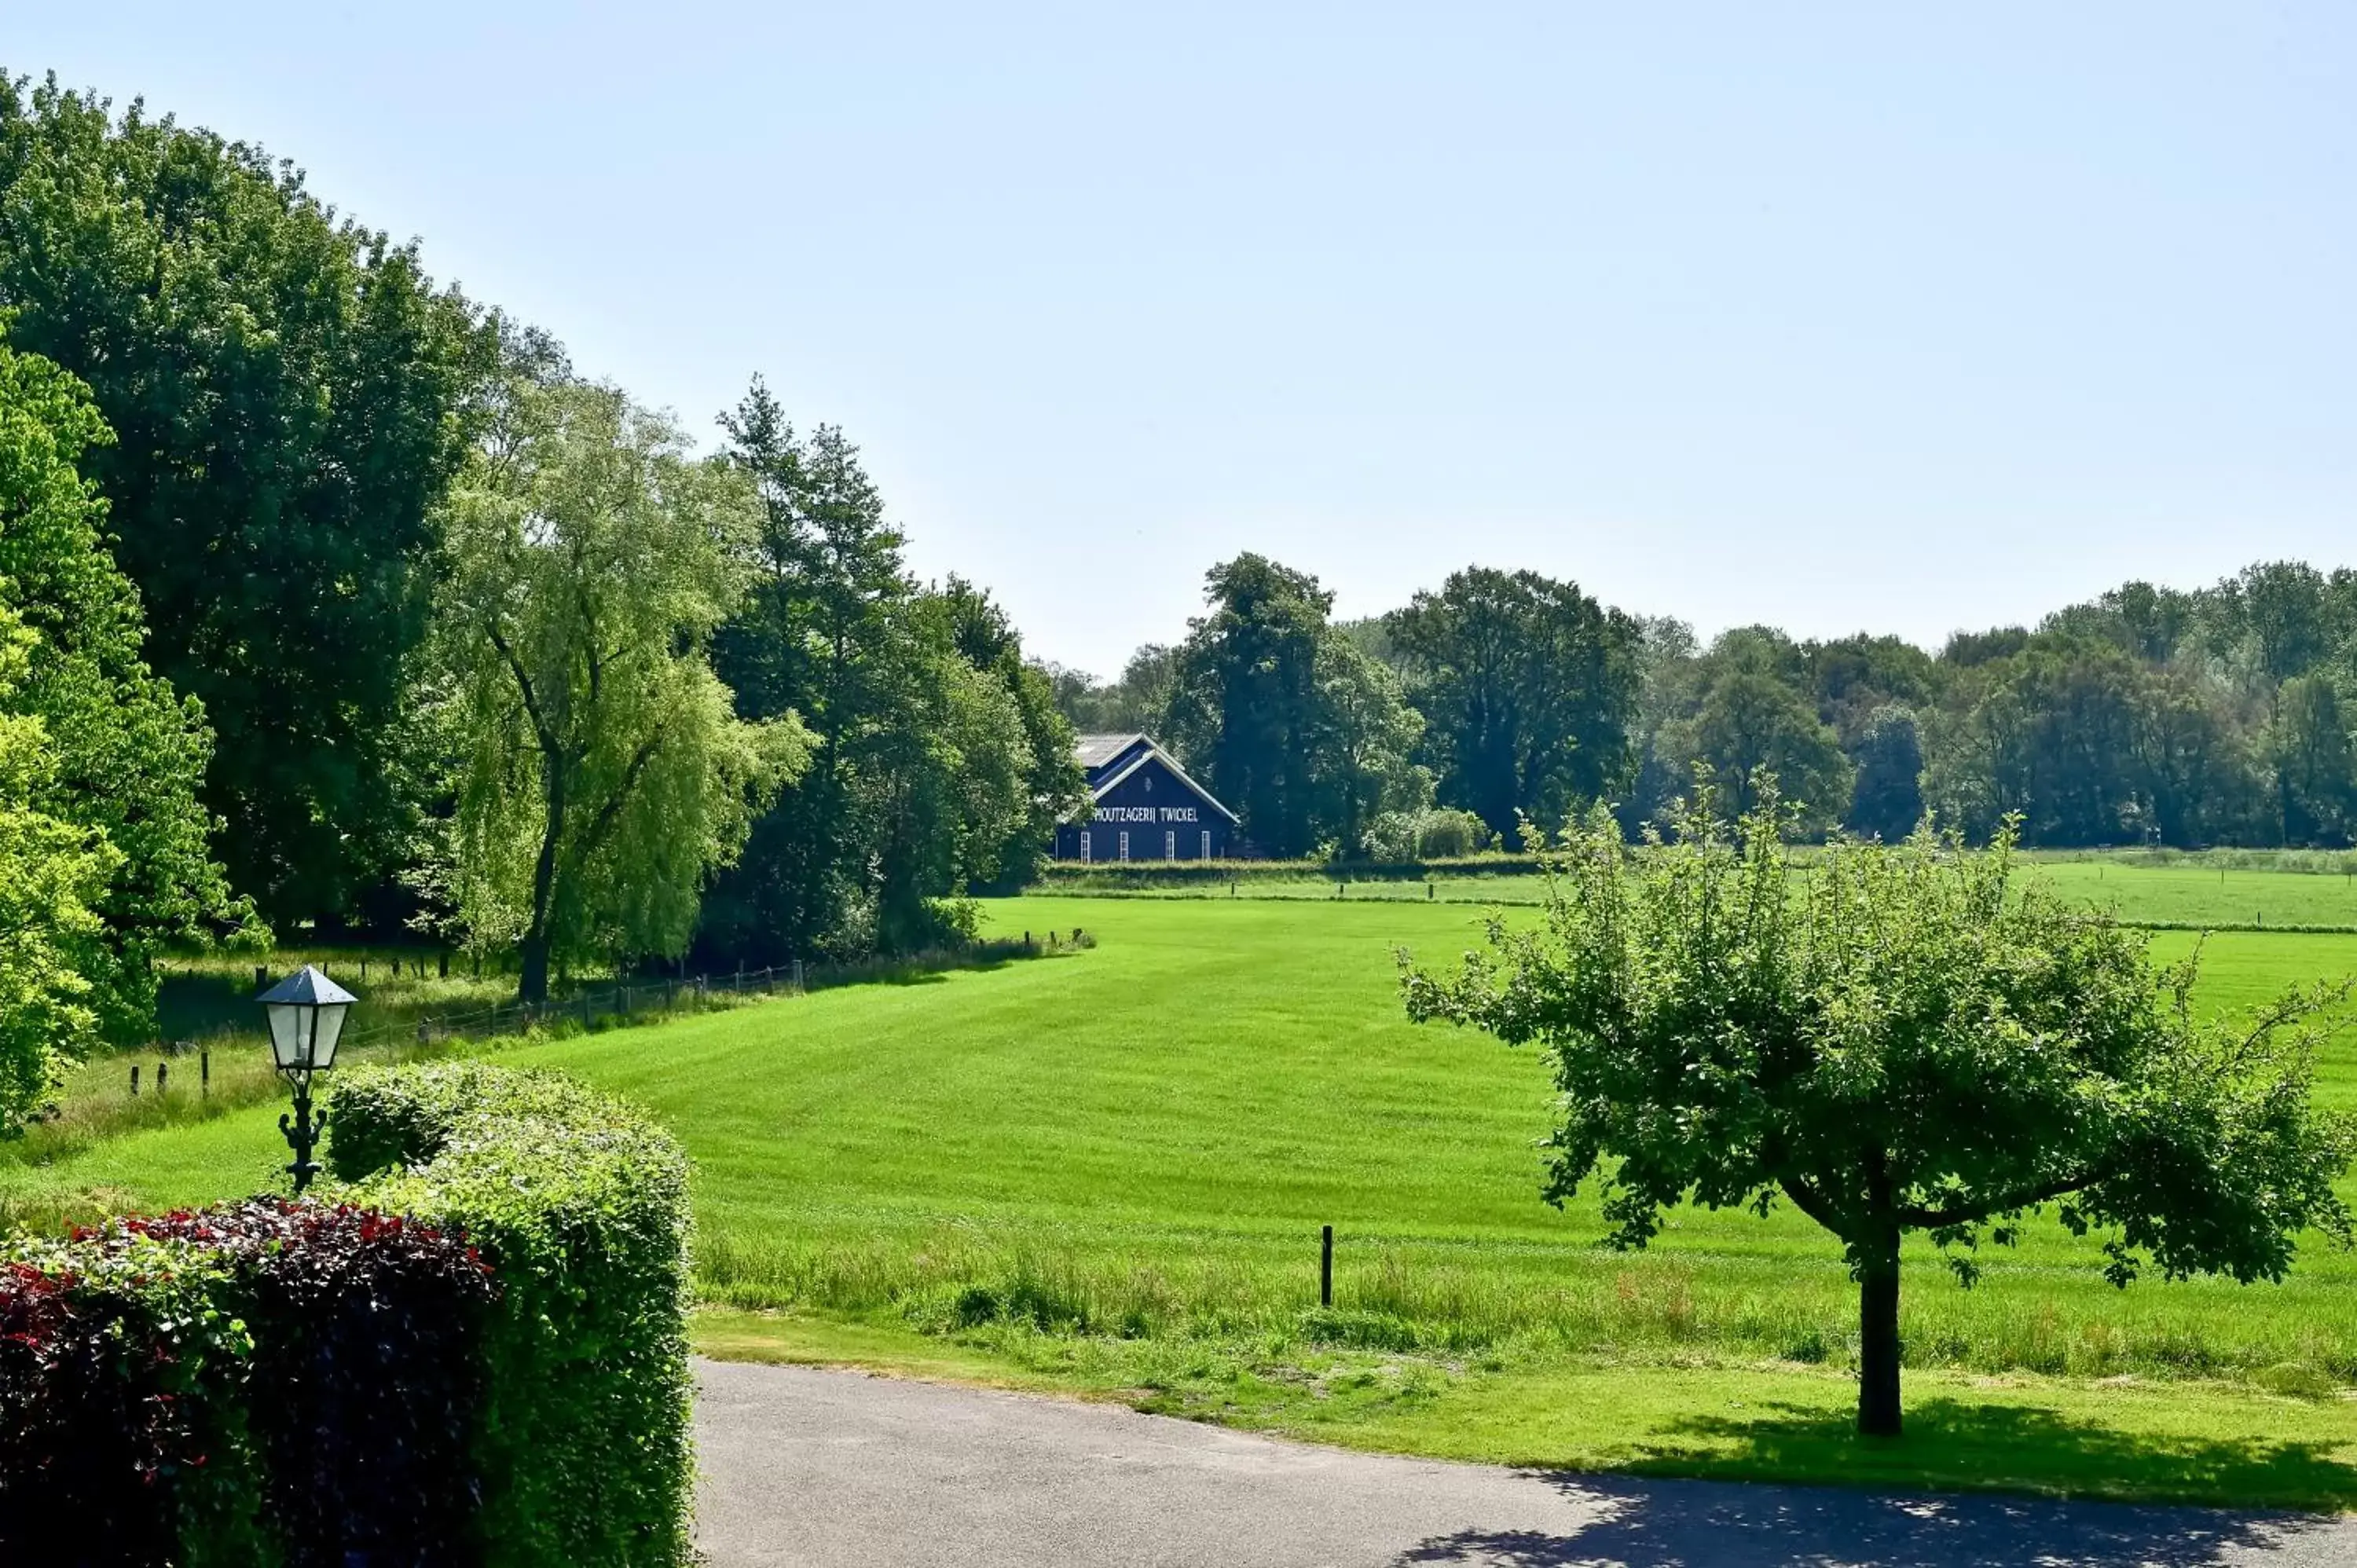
(603,772)
(1907,1038)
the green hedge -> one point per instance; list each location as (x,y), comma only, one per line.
(472,1350)
(261,1384)
(580,1205)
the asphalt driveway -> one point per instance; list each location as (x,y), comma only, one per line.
(839,1468)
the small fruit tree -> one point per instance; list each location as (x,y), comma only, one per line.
(1894,1038)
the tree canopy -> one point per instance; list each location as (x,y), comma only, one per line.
(1527,687)
(51,874)
(1897,1038)
(123,756)
(289,394)
(1285,716)
(939,760)
(605,773)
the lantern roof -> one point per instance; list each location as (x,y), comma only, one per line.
(307,984)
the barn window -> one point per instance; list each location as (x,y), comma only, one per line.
(1169,846)
(1207,843)
(1125,843)
(1084,849)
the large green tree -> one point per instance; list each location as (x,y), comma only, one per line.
(1887,798)
(947,787)
(1528,688)
(123,756)
(939,758)
(289,392)
(1751,725)
(1363,742)
(1244,708)
(605,773)
(1052,786)
(1909,1039)
(51,872)
(816,634)
(2307,750)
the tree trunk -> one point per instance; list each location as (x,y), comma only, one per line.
(534,987)
(532,990)
(1878,1340)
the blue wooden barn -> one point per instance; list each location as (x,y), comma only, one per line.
(1142,806)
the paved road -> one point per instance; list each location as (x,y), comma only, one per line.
(841,1469)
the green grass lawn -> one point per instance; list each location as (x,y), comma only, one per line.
(1106,1172)
(2163,893)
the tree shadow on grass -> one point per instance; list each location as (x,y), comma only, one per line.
(1688,1523)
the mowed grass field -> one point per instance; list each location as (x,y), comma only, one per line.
(2162,893)
(1106,1172)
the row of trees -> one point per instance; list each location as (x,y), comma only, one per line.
(2149,715)
(332,599)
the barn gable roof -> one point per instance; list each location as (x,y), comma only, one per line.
(1109,759)
(1093,751)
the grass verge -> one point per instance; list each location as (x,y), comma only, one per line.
(2121,1439)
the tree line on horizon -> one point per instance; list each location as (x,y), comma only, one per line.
(2149,715)
(334,602)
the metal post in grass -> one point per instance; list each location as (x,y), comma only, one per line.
(134,1080)
(205,1073)
(1325,1267)
(306,1014)
(162,1070)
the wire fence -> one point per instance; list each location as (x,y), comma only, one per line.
(589,1006)
(620,1003)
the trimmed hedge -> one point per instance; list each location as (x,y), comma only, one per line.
(365,1377)
(581,1207)
(480,1355)
(263,1383)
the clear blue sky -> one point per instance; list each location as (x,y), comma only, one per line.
(1896,317)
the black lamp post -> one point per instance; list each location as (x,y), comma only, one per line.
(306,1019)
